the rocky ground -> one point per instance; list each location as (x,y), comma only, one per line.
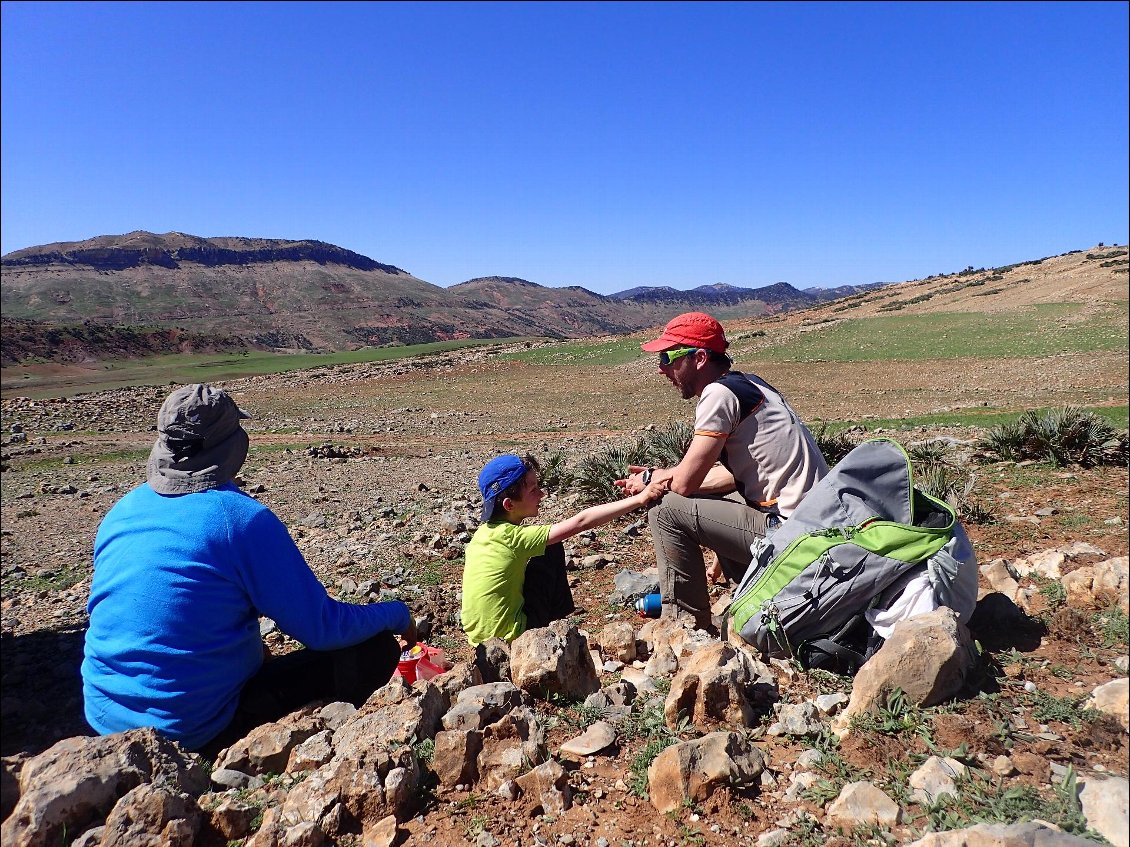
(372,467)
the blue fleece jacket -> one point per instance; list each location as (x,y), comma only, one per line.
(179,585)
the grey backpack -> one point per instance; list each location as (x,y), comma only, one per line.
(852,544)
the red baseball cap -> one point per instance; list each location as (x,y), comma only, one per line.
(691,329)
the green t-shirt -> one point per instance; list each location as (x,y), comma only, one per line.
(493,576)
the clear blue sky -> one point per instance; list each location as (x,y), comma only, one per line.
(606,145)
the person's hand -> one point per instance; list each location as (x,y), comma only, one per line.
(409,637)
(633,482)
(653,492)
(714,572)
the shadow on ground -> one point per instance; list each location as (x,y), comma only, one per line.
(42,690)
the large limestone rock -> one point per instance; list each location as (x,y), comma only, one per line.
(79,780)
(152,816)
(618,641)
(267,748)
(1031,834)
(510,746)
(484,704)
(554,660)
(693,770)
(1113,698)
(353,789)
(414,716)
(1100,586)
(547,788)
(452,683)
(1105,803)
(927,656)
(937,777)
(492,660)
(715,686)
(455,756)
(862,804)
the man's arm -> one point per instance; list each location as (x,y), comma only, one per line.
(691,474)
(698,473)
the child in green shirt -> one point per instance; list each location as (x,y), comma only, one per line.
(514,578)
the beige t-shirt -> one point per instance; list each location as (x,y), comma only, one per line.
(771,454)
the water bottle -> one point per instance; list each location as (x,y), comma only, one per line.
(649,606)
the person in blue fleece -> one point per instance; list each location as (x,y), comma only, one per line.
(184,566)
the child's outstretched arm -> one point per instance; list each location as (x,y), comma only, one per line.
(605,512)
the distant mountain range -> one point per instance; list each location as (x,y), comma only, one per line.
(178,291)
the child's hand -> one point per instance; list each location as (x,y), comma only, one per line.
(633,483)
(653,492)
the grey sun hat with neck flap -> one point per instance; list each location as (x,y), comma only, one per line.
(200,442)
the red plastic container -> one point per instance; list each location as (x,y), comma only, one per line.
(422,662)
(407,668)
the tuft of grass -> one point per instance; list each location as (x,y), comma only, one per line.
(1064,436)
(647,721)
(425,750)
(637,770)
(955,486)
(1054,594)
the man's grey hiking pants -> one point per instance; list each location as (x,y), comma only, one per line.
(680,527)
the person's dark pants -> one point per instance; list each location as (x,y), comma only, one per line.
(286,683)
(546,589)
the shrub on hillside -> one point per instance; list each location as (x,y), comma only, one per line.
(592,478)
(1065,436)
(935,474)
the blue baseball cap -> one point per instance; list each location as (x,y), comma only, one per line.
(499,474)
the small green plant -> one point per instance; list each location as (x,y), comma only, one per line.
(476,825)
(593,477)
(1054,594)
(955,487)
(637,780)
(582,716)
(648,721)
(425,750)
(1112,627)
(667,446)
(1064,436)
(1069,710)
(896,716)
(934,452)
(555,475)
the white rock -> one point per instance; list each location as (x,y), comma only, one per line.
(1105,802)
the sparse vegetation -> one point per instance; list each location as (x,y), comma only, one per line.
(1113,627)
(592,478)
(983,800)
(1065,436)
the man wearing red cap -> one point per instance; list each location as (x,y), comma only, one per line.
(748,466)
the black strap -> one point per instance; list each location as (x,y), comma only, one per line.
(826,654)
